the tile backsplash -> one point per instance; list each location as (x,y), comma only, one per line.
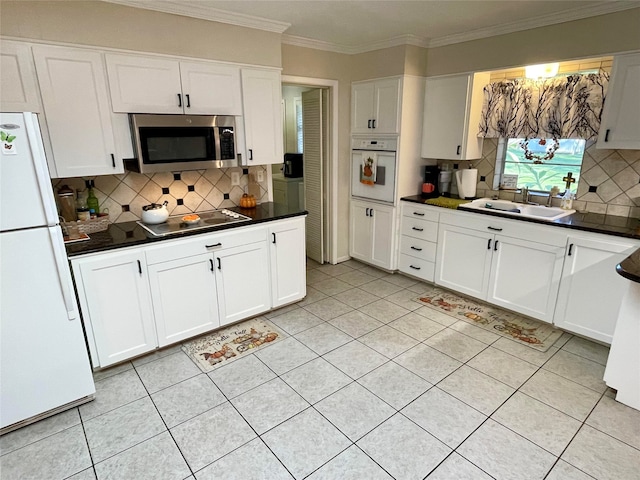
(609,179)
(191,191)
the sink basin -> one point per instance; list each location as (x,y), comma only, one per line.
(513,209)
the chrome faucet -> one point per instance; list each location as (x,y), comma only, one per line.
(525,195)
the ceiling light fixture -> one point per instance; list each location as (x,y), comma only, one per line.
(545,70)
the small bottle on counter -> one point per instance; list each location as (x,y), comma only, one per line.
(92,200)
(567,200)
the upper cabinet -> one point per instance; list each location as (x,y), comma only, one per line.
(620,127)
(262,102)
(85,135)
(452,110)
(19,92)
(142,84)
(375,106)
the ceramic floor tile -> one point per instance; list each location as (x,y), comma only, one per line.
(502,366)
(156,355)
(428,363)
(331,286)
(328,308)
(119,429)
(87,474)
(562,394)
(285,355)
(455,344)
(356,298)
(373,271)
(305,442)
(355,359)
(587,349)
(297,320)
(312,296)
(354,410)
(564,338)
(404,299)
(443,416)
(506,455)
(282,310)
(563,471)
(602,456)
(545,426)
(39,430)
(476,389)
(400,280)
(456,467)
(152,459)
(315,276)
(617,420)
(208,437)
(579,369)
(311,264)
(241,375)
(187,399)
(252,461)
(472,331)
(352,464)
(395,384)
(388,341)
(323,338)
(403,449)
(356,278)
(416,326)
(167,371)
(316,380)
(271,403)
(381,287)
(524,352)
(335,270)
(57,456)
(384,311)
(436,316)
(355,323)
(419,288)
(109,372)
(113,392)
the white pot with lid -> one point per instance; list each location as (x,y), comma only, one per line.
(155,213)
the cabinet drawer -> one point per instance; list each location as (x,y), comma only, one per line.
(418,248)
(416,267)
(414,210)
(421,229)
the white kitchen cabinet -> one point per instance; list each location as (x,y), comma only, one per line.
(86,137)
(452,111)
(183,292)
(591,291)
(142,84)
(288,261)
(242,278)
(418,240)
(375,106)
(19,92)
(262,106)
(288,191)
(373,234)
(620,126)
(113,290)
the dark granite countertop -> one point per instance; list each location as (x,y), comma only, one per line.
(630,267)
(590,222)
(130,234)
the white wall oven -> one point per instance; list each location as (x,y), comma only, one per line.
(374,168)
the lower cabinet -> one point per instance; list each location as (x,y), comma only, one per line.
(288,261)
(372,234)
(115,301)
(418,237)
(591,291)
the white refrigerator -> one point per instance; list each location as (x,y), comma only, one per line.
(44,363)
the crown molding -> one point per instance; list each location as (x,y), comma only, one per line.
(541,21)
(315,44)
(369,47)
(203,12)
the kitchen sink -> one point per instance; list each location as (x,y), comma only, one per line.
(513,209)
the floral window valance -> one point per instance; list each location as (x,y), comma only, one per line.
(560,107)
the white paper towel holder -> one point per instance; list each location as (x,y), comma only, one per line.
(467,180)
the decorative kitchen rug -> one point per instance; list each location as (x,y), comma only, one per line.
(535,334)
(224,346)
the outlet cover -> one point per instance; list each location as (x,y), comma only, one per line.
(260,176)
(235,178)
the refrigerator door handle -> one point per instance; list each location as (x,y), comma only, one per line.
(64,276)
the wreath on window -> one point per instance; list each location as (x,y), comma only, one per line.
(550,150)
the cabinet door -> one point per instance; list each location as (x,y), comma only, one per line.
(620,126)
(464,260)
(362,107)
(360,232)
(141,84)
(288,266)
(591,291)
(262,105)
(76,103)
(211,89)
(383,233)
(19,92)
(387,106)
(184,297)
(242,278)
(114,295)
(525,276)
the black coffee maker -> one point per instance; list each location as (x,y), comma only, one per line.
(430,185)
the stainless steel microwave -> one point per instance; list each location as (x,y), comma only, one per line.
(173,143)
